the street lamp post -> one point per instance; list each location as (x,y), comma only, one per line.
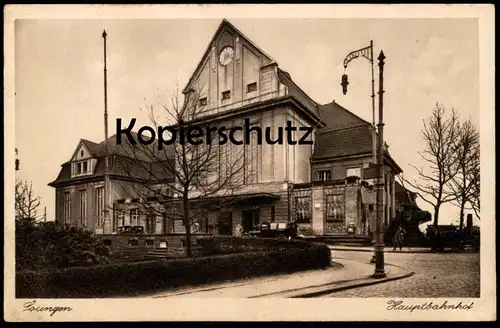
(379,246)
(378,149)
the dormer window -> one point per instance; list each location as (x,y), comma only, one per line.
(79,168)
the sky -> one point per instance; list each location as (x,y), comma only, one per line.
(60,94)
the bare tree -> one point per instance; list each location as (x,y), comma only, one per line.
(475,181)
(462,182)
(197,170)
(26,203)
(439,133)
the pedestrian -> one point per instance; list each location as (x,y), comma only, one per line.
(398,238)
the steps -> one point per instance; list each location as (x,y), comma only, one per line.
(168,253)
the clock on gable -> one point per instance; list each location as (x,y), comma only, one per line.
(226,55)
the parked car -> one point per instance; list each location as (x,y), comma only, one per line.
(278,230)
(471,244)
(130,230)
(448,236)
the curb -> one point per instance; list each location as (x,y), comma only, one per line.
(371,251)
(243,282)
(352,286)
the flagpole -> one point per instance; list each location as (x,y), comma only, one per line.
(374,143)
(106,159)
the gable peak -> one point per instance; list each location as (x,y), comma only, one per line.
(225,27)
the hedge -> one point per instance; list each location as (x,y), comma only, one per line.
(228,244)
(125,279)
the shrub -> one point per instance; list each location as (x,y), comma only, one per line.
(51,244)
(135,278)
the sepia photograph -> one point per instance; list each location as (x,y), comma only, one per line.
(284,157)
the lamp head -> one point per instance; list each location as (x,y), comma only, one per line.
(344,83)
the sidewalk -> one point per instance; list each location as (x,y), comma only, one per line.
(386,249)
(345,275)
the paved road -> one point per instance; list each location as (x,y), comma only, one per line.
(436,275)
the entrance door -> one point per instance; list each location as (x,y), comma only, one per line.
(225,223)
(250,218)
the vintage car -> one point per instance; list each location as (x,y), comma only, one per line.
(278,230)
(471,244)
(449,236)
(130,230)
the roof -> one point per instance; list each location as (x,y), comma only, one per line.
(337,117)
(345,142)
(127,149)
(295,91)
(345,134)
(404,196)
(126,161)
(120,167)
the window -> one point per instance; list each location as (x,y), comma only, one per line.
(354,171)
(334,208)
(303,209)
(203,101)
(252,87)
(134,217)
(79,168)
(100,206)
(273,210)
(83,208)
(120,218)
(323,175)
(133,242)
(150,223)
(67,207)
(81,153)
(226,95)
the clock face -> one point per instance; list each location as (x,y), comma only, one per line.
(226,55)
